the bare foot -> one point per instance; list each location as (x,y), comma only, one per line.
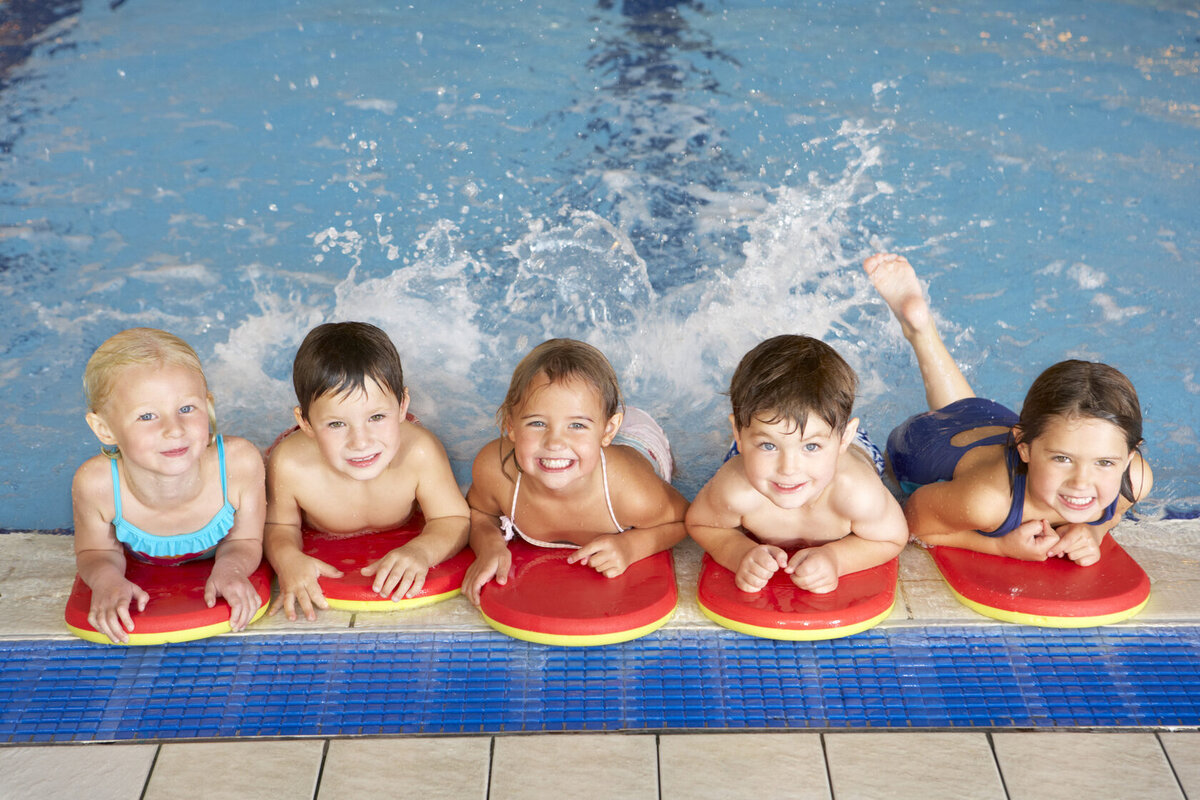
(897,284)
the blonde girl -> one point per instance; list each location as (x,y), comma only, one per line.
(1049,482)
(166,488)
(572,468)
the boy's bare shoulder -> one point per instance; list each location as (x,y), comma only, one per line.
(730,489)
(421,442)
(857,489)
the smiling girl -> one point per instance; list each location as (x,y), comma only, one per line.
(167,488)
(571,469)
(1049,482)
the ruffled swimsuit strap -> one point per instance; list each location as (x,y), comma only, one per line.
(197,543)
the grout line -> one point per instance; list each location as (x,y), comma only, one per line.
(487,784)
(996,760)
(828,769)
(149,772)
(1171,765)
(321,769)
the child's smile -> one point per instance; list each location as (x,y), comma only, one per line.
(358,434)
(789,467)
(1076,467)
(559,430)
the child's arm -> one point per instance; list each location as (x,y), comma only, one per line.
(714,520)
(953,512)
(653,508)
(401,573)
(283,542)
(99,557)
(492,558)
(878,532)
(1081,543)
(240,552)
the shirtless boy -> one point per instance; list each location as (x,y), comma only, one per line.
(357,463)
(804,478)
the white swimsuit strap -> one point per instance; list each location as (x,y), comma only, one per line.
(607,499)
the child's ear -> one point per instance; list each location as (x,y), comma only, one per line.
(404,404)
(1022,447)
(304,424)
(611,427)
(100,428)
(848,435)
(737,434)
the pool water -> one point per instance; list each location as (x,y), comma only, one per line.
(671,181)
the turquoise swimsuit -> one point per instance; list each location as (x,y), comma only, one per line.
(170,550)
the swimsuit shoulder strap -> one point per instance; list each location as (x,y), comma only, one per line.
(608,497)
(221,461)
(116,486)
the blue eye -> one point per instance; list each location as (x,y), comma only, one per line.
(145,417)
(812,447)
(187,409)
(767,446)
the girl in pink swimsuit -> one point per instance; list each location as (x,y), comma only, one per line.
(563,467)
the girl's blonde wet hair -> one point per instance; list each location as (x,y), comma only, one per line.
(138,347)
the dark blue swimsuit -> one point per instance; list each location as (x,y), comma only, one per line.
(921,452)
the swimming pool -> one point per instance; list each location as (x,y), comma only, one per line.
(670,181)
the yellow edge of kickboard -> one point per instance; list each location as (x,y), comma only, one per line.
(582,640)
(1046,621)
(794,634)
(164,637)
(384,604)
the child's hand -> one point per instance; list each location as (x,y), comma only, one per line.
(238,592)
(298,575)
(495,564)
(399,574)
(109,612)
(814,569)
(1029,541)
(757,567)
(1077,543)
(606,554)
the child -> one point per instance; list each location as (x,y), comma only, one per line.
(802,474)
(1051,482)
(357,463)
(164,472)
(577,470)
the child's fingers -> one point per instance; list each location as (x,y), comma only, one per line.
(327,570)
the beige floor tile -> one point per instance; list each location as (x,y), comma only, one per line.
(930,766)
(916,565)
(456,614)
(37,571)
(933,602)
(1171,601)
(240,770)
(430,769)
(331,621)
(97,772)
(1100,766)
(1183,751)
(720,766)
(580,767)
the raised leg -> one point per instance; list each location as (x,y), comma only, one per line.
(897,284)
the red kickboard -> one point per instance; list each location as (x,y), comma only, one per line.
(549,601)
(351,553)
(783,610)
(176,611)
(1051,592)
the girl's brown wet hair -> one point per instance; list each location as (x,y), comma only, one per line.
(139,347)
(791,377)
(562,360)
(338,358)
(1082,390)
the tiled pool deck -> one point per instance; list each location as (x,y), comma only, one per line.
(670,761)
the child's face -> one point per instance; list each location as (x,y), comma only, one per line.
(157,415)
(788,467)
(358,433)
(1076,466)
(558,431)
